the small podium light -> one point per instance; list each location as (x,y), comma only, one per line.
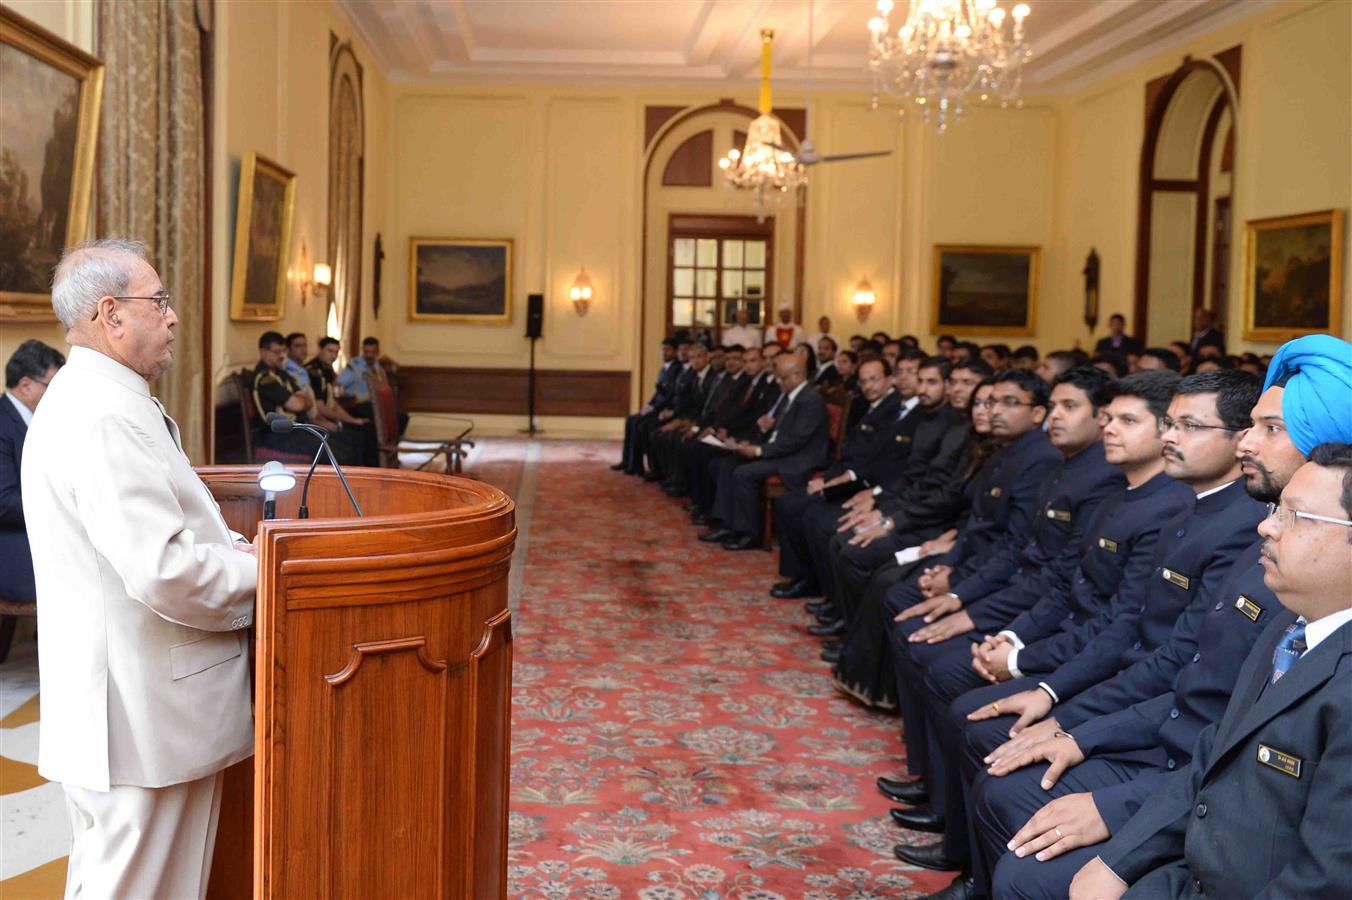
(274,478)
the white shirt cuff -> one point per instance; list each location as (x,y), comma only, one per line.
(1050,692)
(1110,869)
(850,472)
(1013,639)
(877,490)
(1012,664)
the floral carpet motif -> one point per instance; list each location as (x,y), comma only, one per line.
(675,736)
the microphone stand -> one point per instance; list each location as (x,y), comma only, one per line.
(281,424)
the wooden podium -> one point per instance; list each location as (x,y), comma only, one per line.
(382,691)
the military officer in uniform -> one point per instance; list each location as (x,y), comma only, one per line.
(275,391)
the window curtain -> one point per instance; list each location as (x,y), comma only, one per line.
(346,149)
(151,175)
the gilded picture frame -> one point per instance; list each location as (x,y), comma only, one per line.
(1293,276)
(264,211)
(50,95)
(985,289)
(460,280)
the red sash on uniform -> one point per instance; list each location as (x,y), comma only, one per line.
(784,335)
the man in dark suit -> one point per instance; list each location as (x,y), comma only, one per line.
(27,374)
(875,451)
(1205,334)
(722,390)
(798,443)
(691,389)
(1265,806)
(631,461)
(747,418)
(1118,341)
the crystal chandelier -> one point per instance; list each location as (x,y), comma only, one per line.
(763,165)
(945,51)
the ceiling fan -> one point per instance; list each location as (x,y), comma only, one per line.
(807,154)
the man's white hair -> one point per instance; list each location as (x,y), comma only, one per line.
(90,271)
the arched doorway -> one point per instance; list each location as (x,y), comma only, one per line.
(347,142)
(686,201)
(1183,255)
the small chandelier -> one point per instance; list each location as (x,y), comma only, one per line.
(946,51)
(763,165)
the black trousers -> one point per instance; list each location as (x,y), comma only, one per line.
(363,410)
(629,455)
(737,497)
(702,463)
(800,518)
(865,665)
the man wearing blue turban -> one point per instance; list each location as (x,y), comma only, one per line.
(1316,374)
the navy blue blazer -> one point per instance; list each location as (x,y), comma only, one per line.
(1118,544)
(16,561)
(1264,809)
(764,396)
(666,384)
(1003,512)
(1194,554)
(1155,710)
(928,489)
(870,441)
(1066,507)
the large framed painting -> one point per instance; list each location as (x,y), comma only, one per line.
(49,120)
(1293,276)
(263,212)
(460,280)
(980,289)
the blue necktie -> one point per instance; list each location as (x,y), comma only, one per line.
(1289,649)
(774,410)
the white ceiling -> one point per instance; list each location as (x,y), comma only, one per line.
(715,41)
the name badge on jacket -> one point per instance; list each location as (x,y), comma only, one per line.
(1106,544)
(1276,759)
(995,491)
(1248,607)
(1058,515)
(1177,578)
(903,439)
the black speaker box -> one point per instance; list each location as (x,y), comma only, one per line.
(535,315)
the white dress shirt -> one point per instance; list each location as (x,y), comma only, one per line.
(24,412)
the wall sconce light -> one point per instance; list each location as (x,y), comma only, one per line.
(581,293)
(315,279)
(863,299)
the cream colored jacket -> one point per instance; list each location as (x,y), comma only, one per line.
(143,600)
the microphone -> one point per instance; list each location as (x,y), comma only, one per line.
(280,424)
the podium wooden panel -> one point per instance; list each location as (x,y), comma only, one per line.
(382,693)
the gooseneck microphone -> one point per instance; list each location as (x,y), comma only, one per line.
(280,424)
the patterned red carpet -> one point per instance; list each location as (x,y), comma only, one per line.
(675,734)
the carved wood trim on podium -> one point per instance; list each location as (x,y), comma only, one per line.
(383,696)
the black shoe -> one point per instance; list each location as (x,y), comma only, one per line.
(920,818)
(740,542)
(912,793)
(821,607)
(717,536)
(700,518)
(651,476)
(928,856)
(673,490)
(962,888)
(792,590)
(831,628)
(831,653)
(690,507)
(620,467)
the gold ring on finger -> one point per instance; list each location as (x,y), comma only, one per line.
(996,706)
(1058,832)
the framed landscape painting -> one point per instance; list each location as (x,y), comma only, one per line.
(266,202)
(49,118)
(1293,276)
(460,280)
(985,289)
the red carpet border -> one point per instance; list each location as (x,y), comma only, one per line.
(674,733)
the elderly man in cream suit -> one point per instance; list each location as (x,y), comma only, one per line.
(144,596)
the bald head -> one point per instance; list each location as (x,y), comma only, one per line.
(790,371)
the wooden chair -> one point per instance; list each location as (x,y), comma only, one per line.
(254,455)
(10,613)
(773,487)
(418,452)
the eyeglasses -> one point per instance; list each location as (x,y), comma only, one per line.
(1187,426)
(1286,517)
(160,299)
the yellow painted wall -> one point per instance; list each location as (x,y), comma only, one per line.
(560,170)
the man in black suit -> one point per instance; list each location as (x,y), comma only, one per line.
(723,390)
(1265,806)
(630,461)
(798,443)
(1205,334)
(27,375)
(1118,341)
